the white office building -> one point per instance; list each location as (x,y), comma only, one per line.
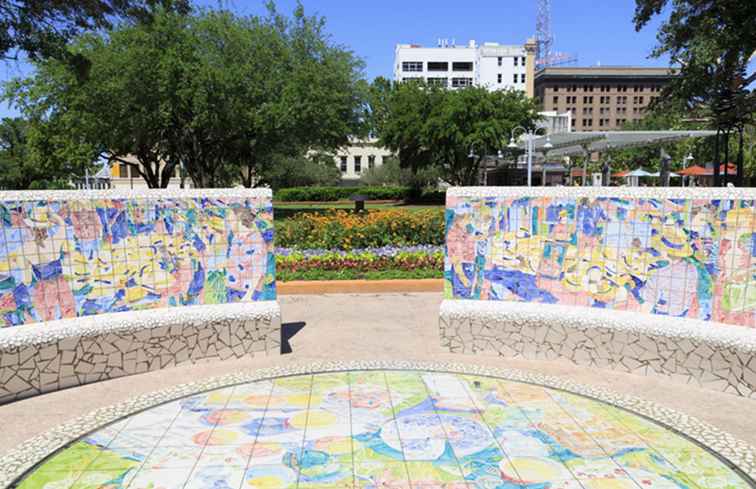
(491,65)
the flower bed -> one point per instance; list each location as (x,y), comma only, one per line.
(387,262)
(342,230)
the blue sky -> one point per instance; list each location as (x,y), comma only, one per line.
(597,32)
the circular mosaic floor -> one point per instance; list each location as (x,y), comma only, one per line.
(384,429)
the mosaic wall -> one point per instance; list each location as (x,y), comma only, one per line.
(679,257)
(67,258)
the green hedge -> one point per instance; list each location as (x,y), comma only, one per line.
(330,194)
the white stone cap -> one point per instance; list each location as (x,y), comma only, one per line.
(700,193)
(709,332)
(132,321)
(142,194)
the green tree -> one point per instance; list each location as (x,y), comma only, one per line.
(390,173)
(712,43)
(19,170)
(427,126)
(213,92)
(43,28)
(301,171)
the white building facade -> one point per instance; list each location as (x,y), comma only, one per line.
(491,65)
(359,157)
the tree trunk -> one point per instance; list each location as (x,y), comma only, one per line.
(727,157)
(717,183)
(740,156)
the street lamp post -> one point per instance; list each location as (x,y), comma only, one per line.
(529,137)
(686,162)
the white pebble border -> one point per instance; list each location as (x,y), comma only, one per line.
(141,194)
(35,359)
(716,356)
(697,193)
(15,463)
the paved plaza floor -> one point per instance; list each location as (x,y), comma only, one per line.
(410,426)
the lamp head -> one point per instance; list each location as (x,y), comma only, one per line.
(499,154)
(548,144)
(512,144)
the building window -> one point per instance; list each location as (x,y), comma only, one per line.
(358,164)
(514,77)
(461,82)
(515,60)
(522,78)
(412,79)
(439,82)
(556,100)
(641,99)
(412,66)
(462,66)
(498,78)
(556,88)
(371,161)
(573,122)
(343,164)
(500,60)
(438,66)
(522,60)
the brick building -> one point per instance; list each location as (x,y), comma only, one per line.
(600,98)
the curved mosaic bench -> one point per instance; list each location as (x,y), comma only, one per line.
(721,358)
(99,284)
(645,280)
(73,352)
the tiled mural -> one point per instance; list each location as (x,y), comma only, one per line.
(66,258)
(678,257)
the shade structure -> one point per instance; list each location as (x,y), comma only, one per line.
(671,174)
(695,171)
(577,143)
(640,172)
(620,174)
(699,171)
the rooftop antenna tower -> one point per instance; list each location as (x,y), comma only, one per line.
(545,54)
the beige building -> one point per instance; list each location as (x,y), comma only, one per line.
(600,98)
(358,157)
(123,176)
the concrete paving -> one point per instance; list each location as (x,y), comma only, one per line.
(366,327)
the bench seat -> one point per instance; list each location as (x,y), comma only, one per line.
(714,355)
(39,358)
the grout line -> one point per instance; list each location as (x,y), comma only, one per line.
(257,433)
(304,433)
(398,434)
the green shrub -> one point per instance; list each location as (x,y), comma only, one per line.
(331,194)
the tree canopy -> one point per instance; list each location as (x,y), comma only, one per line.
(19,167)
(216,93)
(428,126)
(712,42)
(43,28)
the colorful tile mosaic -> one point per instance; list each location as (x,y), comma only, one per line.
(64,258)
(682,257)
(384,429)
